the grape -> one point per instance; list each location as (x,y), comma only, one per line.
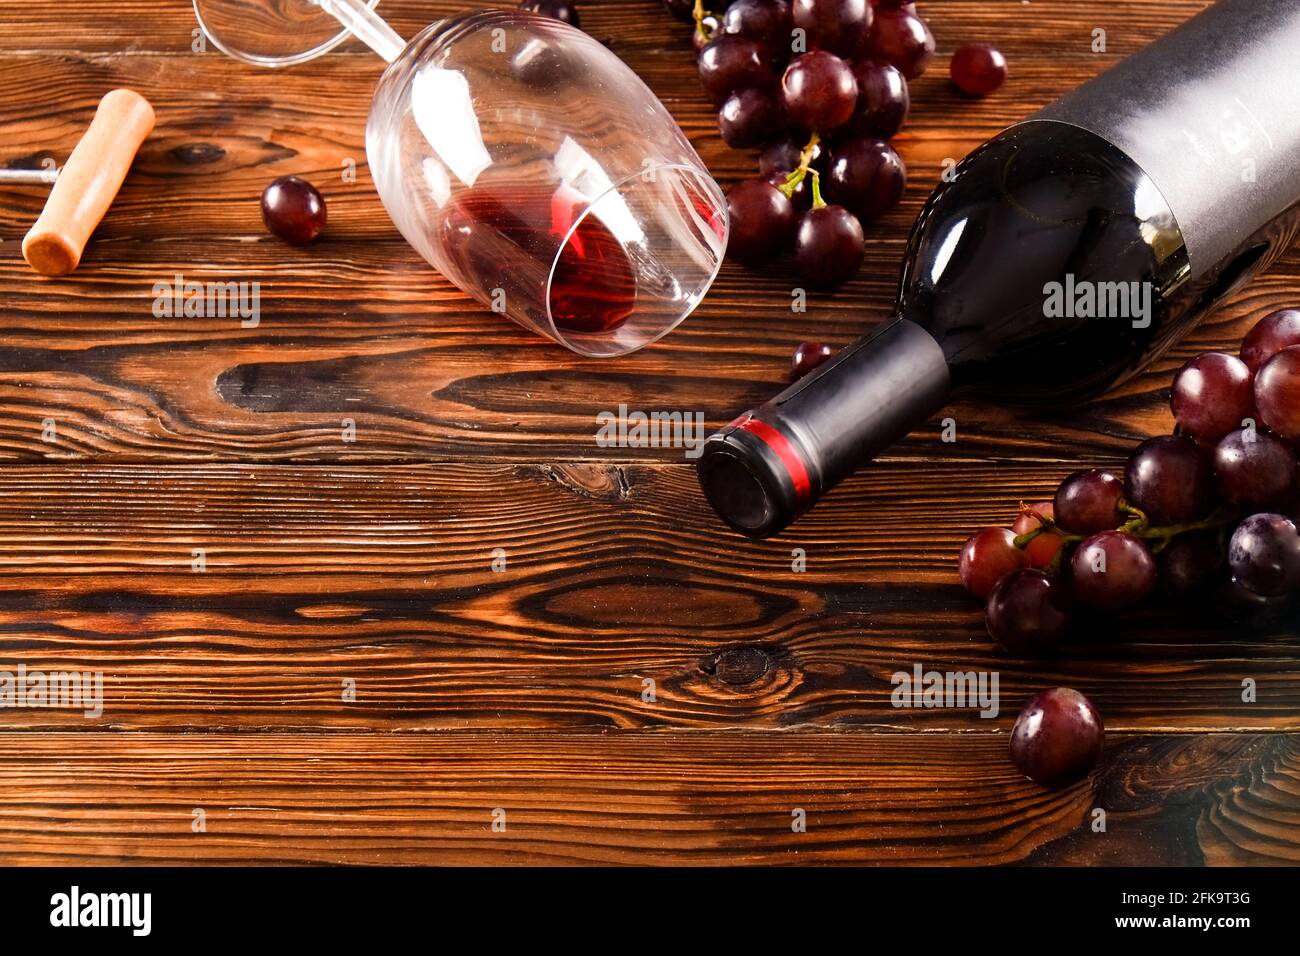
(1170,478)
(839,26)
(978,68)
(828,247)
(748,117)
(683,10)
(808,356)
(865,176)
(782,156)
(1088,502)
(1277,393)
(730,63)
(1112,571)
(1057,738)
(1039,552)
(988,557)
(1255,470)
(556,9)
(895,5)
(903,39)
(766,21)
(1240,604)
(762,222)
(1271,334)
(1027,613)
(1212,395)
(1264,555)
(1190,563)
(293,209)
(819,91)
(883,99)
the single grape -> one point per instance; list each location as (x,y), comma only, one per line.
(1213,394)
(1043,549)
(842,27)
(1057,738)
(818,91)
(903,39)
(828,247)
(555,9)
(865,176)
(1241,605)
(1190,564)
(730,63)
(883,99)
(1277,393)
(1264,555)
(1255,470)
(978,69)
(762,222)
(907,5)
(1027,613)
(748,118)
(808,356)
(293,209)
(683,10)
(1112,571)
(1088,502)
(1271,334)
(1170,478)
(986,558)
(766,21)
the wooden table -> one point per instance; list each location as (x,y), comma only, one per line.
(180,510)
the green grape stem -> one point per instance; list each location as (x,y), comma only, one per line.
(700,13)
(797,175)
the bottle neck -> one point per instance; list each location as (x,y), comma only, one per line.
(867,398)
(771,464)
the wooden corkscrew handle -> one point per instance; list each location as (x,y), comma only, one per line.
(88,183)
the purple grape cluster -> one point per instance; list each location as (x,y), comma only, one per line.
(820,87)
(1210,509)
(1213,510)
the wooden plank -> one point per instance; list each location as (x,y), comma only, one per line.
(142,26)
(380,580)
(638,799)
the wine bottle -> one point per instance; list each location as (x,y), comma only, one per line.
(1056,260)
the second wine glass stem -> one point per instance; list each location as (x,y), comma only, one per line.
(367,26)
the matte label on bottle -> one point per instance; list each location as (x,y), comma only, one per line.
(1211,113)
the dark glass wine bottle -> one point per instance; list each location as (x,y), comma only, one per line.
(1056,260)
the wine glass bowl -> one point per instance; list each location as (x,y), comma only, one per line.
(524,161)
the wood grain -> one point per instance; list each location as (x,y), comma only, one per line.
(900,799)
(613,576)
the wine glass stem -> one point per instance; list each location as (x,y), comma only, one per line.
(367,26)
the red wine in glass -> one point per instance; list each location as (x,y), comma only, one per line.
(495,237)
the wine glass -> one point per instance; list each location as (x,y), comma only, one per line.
(523,159)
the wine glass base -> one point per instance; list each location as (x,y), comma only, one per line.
(270,33)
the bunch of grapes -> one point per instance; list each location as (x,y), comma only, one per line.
(819,86)
(1211,509)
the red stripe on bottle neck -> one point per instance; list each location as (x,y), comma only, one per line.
(784,450)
